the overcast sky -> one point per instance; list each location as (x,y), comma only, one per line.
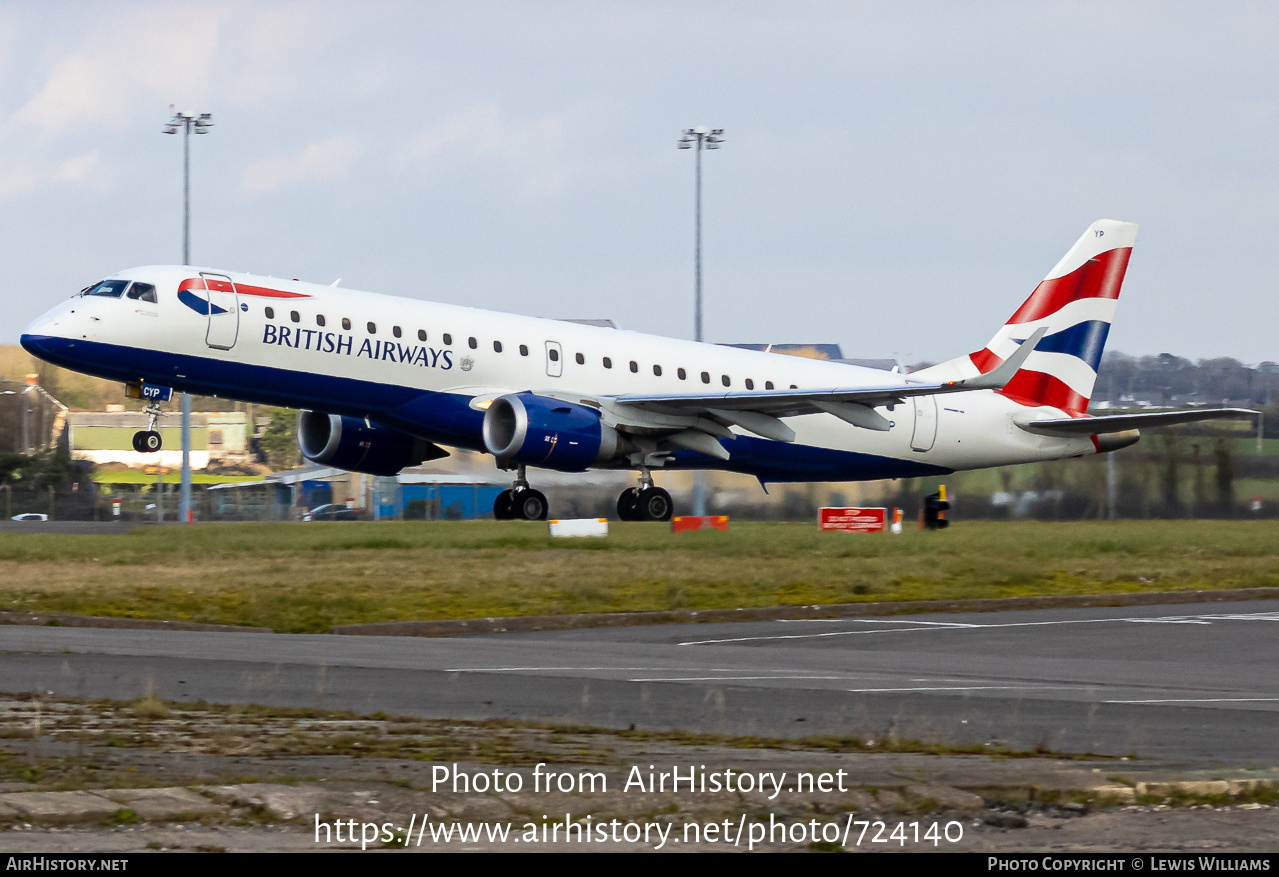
(897,176)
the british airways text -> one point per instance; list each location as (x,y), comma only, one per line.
(335,342)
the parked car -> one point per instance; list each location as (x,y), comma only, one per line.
(30,516)
(331,512)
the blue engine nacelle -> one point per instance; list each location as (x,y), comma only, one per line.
(360,445)
(548,433)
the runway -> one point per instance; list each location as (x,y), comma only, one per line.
(1198,687)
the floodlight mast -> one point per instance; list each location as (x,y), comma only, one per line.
(201,124)
(701,138)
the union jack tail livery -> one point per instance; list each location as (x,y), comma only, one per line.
(1076,304)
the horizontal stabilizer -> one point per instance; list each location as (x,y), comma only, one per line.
(1070,427)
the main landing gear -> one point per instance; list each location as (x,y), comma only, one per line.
(148,441)
(646,502)
(520,503)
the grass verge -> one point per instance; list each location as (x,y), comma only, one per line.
(309,577)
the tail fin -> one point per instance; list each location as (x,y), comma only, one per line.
(1076,303)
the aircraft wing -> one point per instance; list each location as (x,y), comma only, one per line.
(759,411)
(1067,427)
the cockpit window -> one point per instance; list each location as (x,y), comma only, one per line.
(109,288)
(143,292)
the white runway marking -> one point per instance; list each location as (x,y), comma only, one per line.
(1165,621)
(1200,700)
(957,688)
(897,620)
(730,678)
(913,626)
(590,669)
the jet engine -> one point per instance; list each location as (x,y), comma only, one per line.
(360,445)
(548,433)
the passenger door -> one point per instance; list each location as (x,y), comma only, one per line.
(925,433)
(554,359)
(224,310)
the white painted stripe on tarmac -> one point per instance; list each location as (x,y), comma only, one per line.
(732,678)
(917,626)
(587,669)
(965,688)
(1201,700)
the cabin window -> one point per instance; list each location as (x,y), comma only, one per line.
(793,387)
(634,367)
(421,334)
(372,328)
(553,354)
(523,350)
(270,313)
(608,363)
(681,373)
(346,323)
(472,343)
(726,381)
(706,377)
(395,330)
(319,320)
(768,385)
(295,316)
(581,359)
(497,346)
(448,340)
(657,370)
(750,384)
(143,292)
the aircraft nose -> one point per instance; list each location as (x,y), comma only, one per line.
(39,337)
(33,343)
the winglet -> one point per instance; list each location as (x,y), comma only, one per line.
(996,378)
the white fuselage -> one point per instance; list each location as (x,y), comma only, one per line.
(431,368)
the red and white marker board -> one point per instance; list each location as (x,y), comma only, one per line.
(853,520)
(688,523)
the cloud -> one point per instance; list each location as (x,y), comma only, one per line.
(131,64)
(23,176)
(76,170)
(321,161)
(112,69)
(533,151)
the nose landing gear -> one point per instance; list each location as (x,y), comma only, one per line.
(646,502)
(148,441)
(521,503)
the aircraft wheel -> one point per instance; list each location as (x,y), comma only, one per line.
(137,441)
(627,505)
(654,504)
(502,506)
(531,505)
(147,441)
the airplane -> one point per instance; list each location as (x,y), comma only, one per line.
(387,382)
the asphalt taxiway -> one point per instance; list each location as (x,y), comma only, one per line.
(1172,682)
